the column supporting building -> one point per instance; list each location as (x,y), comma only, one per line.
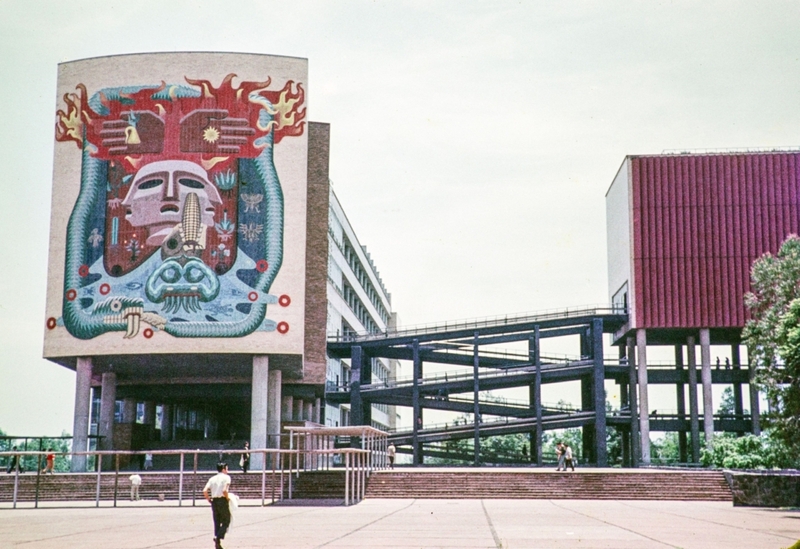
(258,408)
(705,374)
(644,409)
(680,393)
(80,419)
(108,399)
(633,402)
(274,402)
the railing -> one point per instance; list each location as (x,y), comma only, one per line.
(285,464)
(485,322)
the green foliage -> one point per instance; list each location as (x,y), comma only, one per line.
(747,452)
(666,449)
(773,337)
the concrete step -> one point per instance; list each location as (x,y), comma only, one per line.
(678,485)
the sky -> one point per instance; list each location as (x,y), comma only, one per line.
(472,143)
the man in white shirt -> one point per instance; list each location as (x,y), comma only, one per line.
(136,481)
(216,492)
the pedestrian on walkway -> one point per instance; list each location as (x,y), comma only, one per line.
(568,458)
(13,462)
(148,461)
(560,455)
(50,462)
(136,481)
(391,451)
(216,493)
(244,461)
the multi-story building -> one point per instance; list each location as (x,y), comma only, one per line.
(358,303)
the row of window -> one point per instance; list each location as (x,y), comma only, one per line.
(363,279)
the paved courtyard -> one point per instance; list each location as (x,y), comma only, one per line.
(407,524)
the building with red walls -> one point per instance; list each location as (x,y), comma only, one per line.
(683,231)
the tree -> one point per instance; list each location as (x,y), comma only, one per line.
(746,452)
(773,337)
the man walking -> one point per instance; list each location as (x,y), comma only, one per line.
(216,492)
(391,451)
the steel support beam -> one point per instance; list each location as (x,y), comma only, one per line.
(599,389)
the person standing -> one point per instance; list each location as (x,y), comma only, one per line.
(50,462)
(568,458)
(216,493)
(148,461)
(244,461)
(391,451)
(13,462)
(560,455)
(136,481)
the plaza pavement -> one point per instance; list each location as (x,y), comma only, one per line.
(398,523)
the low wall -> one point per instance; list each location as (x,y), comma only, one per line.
(765,488)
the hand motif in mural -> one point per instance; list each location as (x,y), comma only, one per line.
(212,131)
(134,133)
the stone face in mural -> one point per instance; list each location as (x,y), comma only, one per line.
(179,222)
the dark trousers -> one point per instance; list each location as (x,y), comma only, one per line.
(222,516)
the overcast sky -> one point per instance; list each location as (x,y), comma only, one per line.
(472,143)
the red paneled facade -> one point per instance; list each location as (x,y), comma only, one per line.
(697,222)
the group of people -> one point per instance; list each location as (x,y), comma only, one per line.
(49,462)
(565,457)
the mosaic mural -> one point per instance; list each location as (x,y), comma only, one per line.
(178,224)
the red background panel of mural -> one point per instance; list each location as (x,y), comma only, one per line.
(699,221)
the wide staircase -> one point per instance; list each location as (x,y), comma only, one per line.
(408,483)
(83,487)
(538,484)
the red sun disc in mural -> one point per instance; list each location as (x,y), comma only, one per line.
(51,323)
(283,327)
(71,294)
(284,300)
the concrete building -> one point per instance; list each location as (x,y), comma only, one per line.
(188,282)
(358,303)
(683,231)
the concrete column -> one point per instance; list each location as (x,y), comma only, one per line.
(258,408)
(166,422)
(633,402)
(287,406)
(297,410)
(128,410)
(80,418)
(150,418)
(644,409)
(705,374)
(317,415)
(694,421)
(274,409)
(108,398)
(308,410)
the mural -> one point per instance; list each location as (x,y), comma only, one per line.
(178,224)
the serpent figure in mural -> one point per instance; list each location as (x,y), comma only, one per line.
(178,224)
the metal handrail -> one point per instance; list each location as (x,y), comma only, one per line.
(485,322)
(356,466)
